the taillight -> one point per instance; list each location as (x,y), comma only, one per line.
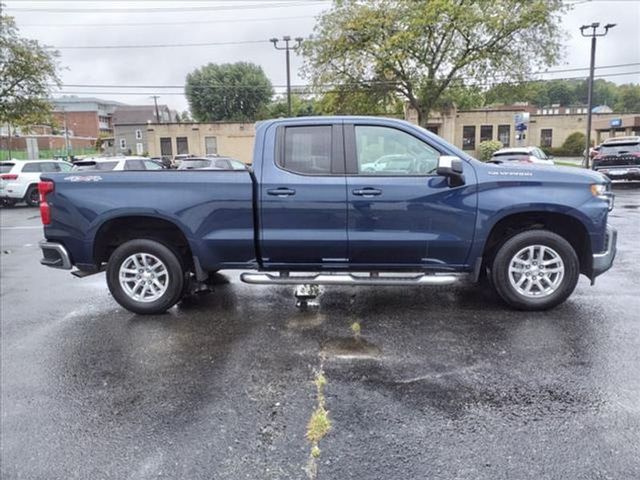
(44,188)
(9,176)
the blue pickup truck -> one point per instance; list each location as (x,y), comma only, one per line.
(334,201)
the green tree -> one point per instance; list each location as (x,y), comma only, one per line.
(418,49)
(27,72)
(362,101)
(300,107)
(628,98)
(228,92)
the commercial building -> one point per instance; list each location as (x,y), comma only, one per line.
(228,139)
(468,128)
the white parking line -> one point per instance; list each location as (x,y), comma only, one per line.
(30,227)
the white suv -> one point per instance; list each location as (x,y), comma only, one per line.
(116,164)
(19,179)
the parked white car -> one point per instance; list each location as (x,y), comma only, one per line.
(19,179)
(522,155)
(115,164)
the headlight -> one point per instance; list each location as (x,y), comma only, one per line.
(598,189)
(602,191)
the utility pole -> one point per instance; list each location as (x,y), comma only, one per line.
(155,101)
(286,39)
(593,34)
(66,133)
(9,139)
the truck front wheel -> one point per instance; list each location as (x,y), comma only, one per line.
(535,270)
(145,276)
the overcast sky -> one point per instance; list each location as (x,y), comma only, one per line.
(104,23)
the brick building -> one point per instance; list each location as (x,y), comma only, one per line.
(84,116)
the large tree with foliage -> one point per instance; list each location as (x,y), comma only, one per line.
(228,92)
(418,49)
(28,70)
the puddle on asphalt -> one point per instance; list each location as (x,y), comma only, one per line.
(305,319)
(350,348)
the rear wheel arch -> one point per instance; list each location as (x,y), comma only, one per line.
(115,231)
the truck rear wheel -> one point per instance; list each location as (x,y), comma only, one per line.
(145,276)
(535,270)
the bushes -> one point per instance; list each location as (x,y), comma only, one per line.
(487,148)
(573,146)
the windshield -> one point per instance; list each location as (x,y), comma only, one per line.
(194,164)
(619,149)
(94,166)
(6,167)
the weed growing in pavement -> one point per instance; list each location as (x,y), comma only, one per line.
(319,425)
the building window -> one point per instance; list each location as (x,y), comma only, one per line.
(469,137)
(556,111)
(210,145)
(123,143)
(567,110)
(182,146)
(165,147)
(546,137)
(504,133)
(538,112)
(138,134)
(486,133)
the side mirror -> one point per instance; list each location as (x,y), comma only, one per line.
(452,168)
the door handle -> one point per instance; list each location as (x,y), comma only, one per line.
(281,192)
(367,192)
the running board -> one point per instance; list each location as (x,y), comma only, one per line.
(374,278)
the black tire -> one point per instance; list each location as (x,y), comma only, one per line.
(33,196)
(505,254)
(7,202)
(175,274)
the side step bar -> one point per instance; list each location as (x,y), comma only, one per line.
(373,278)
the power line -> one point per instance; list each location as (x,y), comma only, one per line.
(78,85)
(154,24)
(164,45)
(207,8)
(309,89)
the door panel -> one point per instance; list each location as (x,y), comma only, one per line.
(303,198)
(398,214)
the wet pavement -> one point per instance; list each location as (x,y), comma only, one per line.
(441,383)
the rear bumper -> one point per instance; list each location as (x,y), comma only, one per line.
(603,261)
(54,255)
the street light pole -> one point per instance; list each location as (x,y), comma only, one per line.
(593,34)
(155,102)
(286,39)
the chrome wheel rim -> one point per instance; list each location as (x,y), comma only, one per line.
(144,277)
(536,271)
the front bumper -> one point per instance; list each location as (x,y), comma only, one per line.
(603,261)
(54,255)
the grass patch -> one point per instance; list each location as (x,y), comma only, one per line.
(318,427)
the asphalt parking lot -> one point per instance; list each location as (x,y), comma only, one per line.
(443,383)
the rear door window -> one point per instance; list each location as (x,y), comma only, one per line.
(307,150)
(134,165)
(150,165)
(34,167)
(6,167)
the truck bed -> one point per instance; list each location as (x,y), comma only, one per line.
(213,208)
